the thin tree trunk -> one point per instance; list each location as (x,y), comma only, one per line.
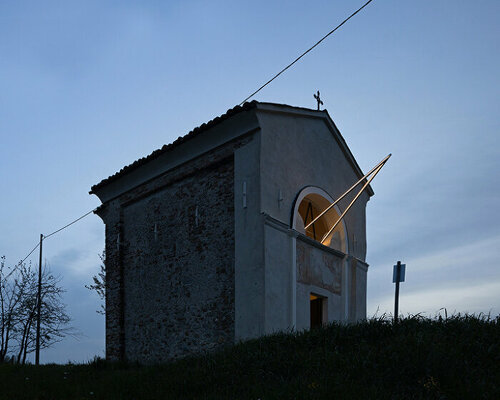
(2,348)
(22,344)
(24,339)
(7,337)
(25,352)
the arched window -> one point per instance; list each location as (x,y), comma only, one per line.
(310,202)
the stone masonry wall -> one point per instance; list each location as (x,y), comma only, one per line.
(178,275)
(114,281)
(170,261)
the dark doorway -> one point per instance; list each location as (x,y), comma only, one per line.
(316,303)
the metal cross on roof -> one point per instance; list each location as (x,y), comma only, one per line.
(316,96)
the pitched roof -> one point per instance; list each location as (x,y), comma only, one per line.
(217,120)
(181,139)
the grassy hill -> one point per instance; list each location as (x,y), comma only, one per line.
(456,358)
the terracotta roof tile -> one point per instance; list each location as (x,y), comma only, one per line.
(181,139)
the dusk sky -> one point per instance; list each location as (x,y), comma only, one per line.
(87,87)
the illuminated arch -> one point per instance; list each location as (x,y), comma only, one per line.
(308,204)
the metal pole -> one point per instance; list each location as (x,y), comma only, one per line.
(38,305)
(348,191)
(352,202)
(396,300)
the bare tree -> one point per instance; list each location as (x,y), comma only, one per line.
(99,284)
(18,302)
(12,293)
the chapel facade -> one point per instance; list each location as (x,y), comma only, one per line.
(206,242)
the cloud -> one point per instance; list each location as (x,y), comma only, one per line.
(461,278)
(77,263)
(483,297)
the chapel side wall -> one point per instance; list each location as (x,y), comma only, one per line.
(178,257)
(220,144)
(143,264)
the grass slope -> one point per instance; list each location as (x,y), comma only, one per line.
(456,358)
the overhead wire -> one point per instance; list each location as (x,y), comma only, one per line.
(29,254)
(22,261)
(250,96)
(307,51)
(47,236)
(71,223)
(42,237)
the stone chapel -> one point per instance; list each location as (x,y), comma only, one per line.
(205,238)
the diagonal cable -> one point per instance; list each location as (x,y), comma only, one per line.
(45,237)
(307,51)
(71,223)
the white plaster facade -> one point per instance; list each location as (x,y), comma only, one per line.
(296,152)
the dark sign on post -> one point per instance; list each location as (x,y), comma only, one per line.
(398,275)
(401,273)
